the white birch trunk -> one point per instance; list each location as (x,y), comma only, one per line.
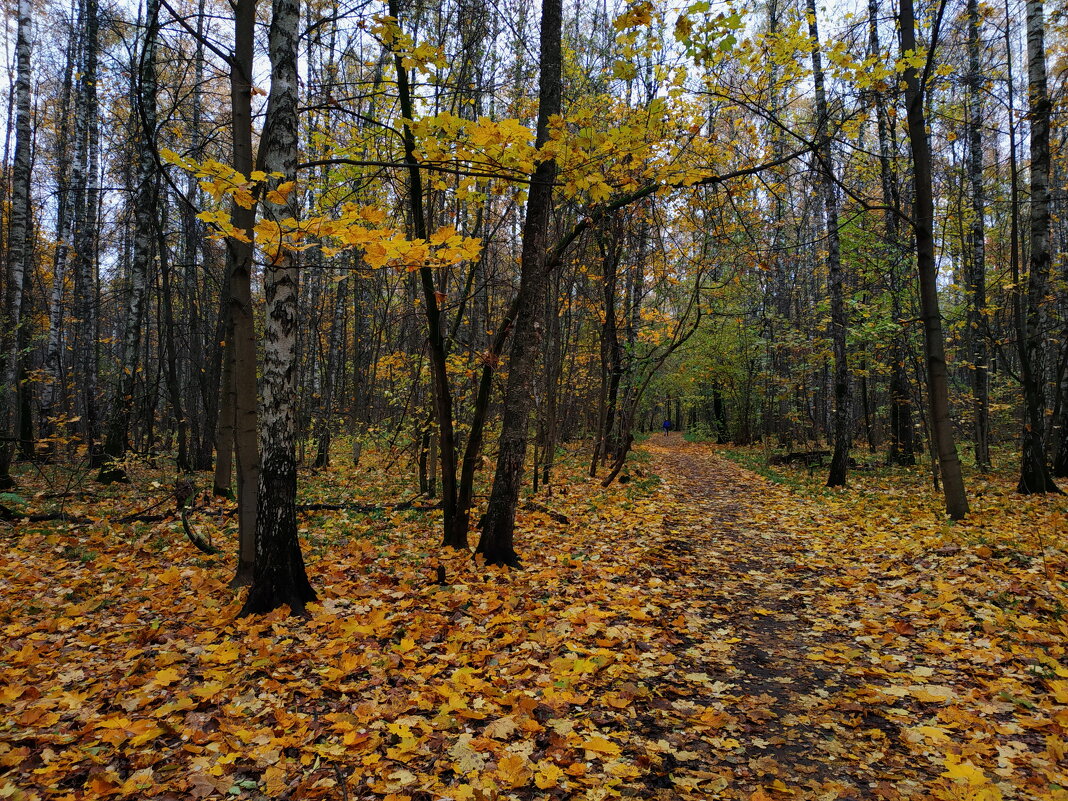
(1035,474)
(279,577)
(145,202)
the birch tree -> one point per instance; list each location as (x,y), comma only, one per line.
(279,577)
(1035,475)
(146,196)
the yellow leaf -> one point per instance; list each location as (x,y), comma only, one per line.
(223,654)
(442,235)
(932,693)
(1059,688)
(274,781)
(209,689)
(114,723)
(599,745)
(616,700)
(622,769)
(624,70)
(281,193)
(467,759)
(141,781)
(143,731)
(165,677)
(548,775)
(964,771)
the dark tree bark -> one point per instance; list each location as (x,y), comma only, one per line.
(923,226)
(20,250)
(610,244)
(200,363)
(224,429)
(455,524)
(239,256)
(498,526)
(169,344)
(835,279)
(85,188)
(976,257)
(902,449)
(330,371)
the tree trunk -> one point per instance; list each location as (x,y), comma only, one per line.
(1035,475)
(169,344)
(279,577)
(224,431)
(923,224)
(902,450)
(20,250)
(496,542)
(53,361)
(553,369)
(86,190)
(455,525)
(611,351)
(330,374)
(976,258)
(239,257)
(200,364)
(835,279)
(146,199)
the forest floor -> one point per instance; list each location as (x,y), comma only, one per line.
(696,632)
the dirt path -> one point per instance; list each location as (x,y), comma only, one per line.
(752,704)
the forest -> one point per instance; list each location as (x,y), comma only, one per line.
(499,400)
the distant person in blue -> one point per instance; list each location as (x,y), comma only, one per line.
(667,426)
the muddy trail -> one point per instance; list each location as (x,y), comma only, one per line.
(764,697)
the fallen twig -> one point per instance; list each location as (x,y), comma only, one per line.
(352,506)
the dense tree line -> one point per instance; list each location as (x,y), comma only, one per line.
(252,237)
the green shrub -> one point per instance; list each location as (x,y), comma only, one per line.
(700,432)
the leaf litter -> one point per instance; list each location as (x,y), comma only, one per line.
(709,635)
